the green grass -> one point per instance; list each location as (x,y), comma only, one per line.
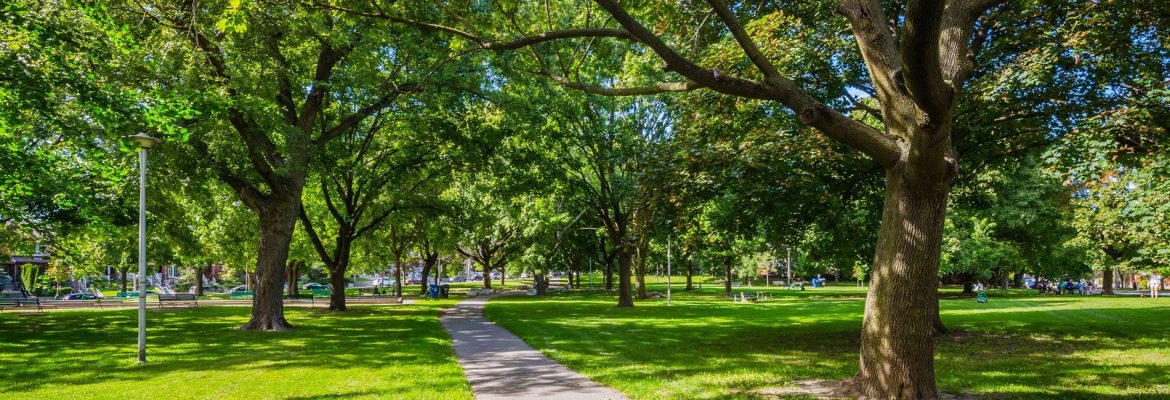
(396,352)
(1018,345)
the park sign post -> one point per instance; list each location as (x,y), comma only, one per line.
(144,142)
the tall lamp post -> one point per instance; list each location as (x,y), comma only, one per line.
(144,142)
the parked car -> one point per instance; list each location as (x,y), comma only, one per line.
(314,285)
(206,289)
(459,278)
(241,288)
(79,296)
(414,280)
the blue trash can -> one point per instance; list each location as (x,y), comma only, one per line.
(433,291)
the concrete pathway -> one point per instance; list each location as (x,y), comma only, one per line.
(501,366)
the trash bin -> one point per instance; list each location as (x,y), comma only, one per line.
(444,291)
(433,291)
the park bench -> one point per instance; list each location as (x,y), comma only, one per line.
(15,302)
(319,293)
(745,297)
(75,303)
(177,298)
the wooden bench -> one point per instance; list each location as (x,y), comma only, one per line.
(76,304)
(15,302)
(177,298)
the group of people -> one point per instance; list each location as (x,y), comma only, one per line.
(1067,286)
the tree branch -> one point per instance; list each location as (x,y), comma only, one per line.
(921,59)
(745,41)
(864,138)
(664,87)
(313,237)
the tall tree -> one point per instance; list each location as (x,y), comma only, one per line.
(375,172)
(274,83)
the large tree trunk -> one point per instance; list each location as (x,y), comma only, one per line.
(502,287)
(277,222)
(398,275)
(294,274)
(690,273)
(640,269)
(426,273)
(1018,280)
(199,280)
(541,284)
(727,276)
(901,309)
(121,276)
(608,275)
(487,274)
(337,284)
(1004,280)
(625,297)
(1107,281)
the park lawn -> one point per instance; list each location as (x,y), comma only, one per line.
(394,352)
(1019,345)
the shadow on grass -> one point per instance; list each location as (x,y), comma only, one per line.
(95,347)
(705,346)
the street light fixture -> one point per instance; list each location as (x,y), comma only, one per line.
(144,142)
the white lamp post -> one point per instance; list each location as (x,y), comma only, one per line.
(144,142)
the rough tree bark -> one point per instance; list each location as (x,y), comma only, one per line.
(487,274)
(640,268)
(121,276)
(199,279)
(337,291)
(1107,281)
(430,261)
(727,276)
(625,297)
(897,348)
(541,284)
(294,274)
(426,273)
(277,221)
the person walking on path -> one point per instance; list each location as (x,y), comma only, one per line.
(1155,284)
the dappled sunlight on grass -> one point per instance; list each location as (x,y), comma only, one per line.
(707,347)
(397,352)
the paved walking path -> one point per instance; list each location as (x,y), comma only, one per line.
(501,366)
